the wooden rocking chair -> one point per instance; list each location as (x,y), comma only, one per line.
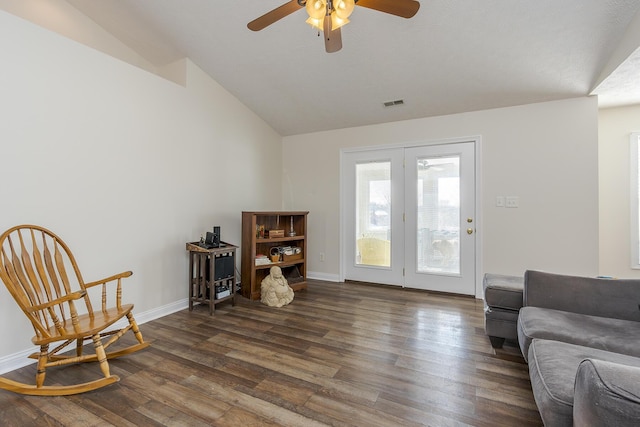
(41,274)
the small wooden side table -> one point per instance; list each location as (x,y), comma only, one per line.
(212,273)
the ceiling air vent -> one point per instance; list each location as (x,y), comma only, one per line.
(394,103)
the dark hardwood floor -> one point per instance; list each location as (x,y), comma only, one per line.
(341,354)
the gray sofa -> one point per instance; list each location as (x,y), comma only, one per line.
(502,303)
(581,339)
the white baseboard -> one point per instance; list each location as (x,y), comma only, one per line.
(15,361)
(20,359)
(323,276)
(156,313)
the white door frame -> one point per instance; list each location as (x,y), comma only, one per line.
(477,141)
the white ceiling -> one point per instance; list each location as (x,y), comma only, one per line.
(453,56)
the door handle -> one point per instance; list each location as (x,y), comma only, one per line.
(469,230)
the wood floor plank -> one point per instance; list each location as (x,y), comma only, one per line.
(287,390)
(262,408)
(66,412)
(192,403)
(425,415)
(349,413)
(341,354)
(19,412)
(239,417)
(347,390)
(119,406)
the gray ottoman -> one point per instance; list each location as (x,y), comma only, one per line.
(502,302)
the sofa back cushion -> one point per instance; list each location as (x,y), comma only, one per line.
(618,299)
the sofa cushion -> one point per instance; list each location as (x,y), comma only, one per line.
(502,291)
(620,336)
(552,367)
(606,393)
(617,299)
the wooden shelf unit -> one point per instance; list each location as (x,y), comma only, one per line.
(253,244)
(203,278)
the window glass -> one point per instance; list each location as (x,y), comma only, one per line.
(438,214)
(373,214)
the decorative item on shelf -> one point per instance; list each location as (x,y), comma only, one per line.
(274,253)
(277,232)
(291,253)
(274,289)
(274,234)
(260,232)
(292,232)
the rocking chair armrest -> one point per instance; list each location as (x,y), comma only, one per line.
(109,279)
(69,297)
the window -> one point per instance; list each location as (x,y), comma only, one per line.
(373,213)
(635,200)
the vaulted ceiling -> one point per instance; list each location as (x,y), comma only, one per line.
(453,56)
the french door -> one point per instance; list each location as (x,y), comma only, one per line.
(373,192)
(409,217)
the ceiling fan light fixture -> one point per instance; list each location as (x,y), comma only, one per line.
(316,9)
(344,8)
(329,16)
(315,23)
(337,22)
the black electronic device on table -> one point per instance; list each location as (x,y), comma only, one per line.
(212,240)
(216,236)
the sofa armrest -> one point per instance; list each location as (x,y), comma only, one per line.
(606,394)
(618,299)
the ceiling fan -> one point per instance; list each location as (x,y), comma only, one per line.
(329,16)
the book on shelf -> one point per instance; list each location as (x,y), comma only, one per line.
(262,260)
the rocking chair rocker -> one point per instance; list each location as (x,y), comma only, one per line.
(41,274)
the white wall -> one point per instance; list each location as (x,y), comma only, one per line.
(125,166)
(615,127)
(62,18)
(546,154)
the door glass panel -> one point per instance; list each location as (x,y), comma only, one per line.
(438,214)
(373,214)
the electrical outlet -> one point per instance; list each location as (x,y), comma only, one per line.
(500,201)
(321,256)
(512,202)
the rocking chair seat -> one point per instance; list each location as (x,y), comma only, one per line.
(42,276)
(88,325)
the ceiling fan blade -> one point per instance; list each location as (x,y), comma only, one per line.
(273,16)
(332,39)
(402,8)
